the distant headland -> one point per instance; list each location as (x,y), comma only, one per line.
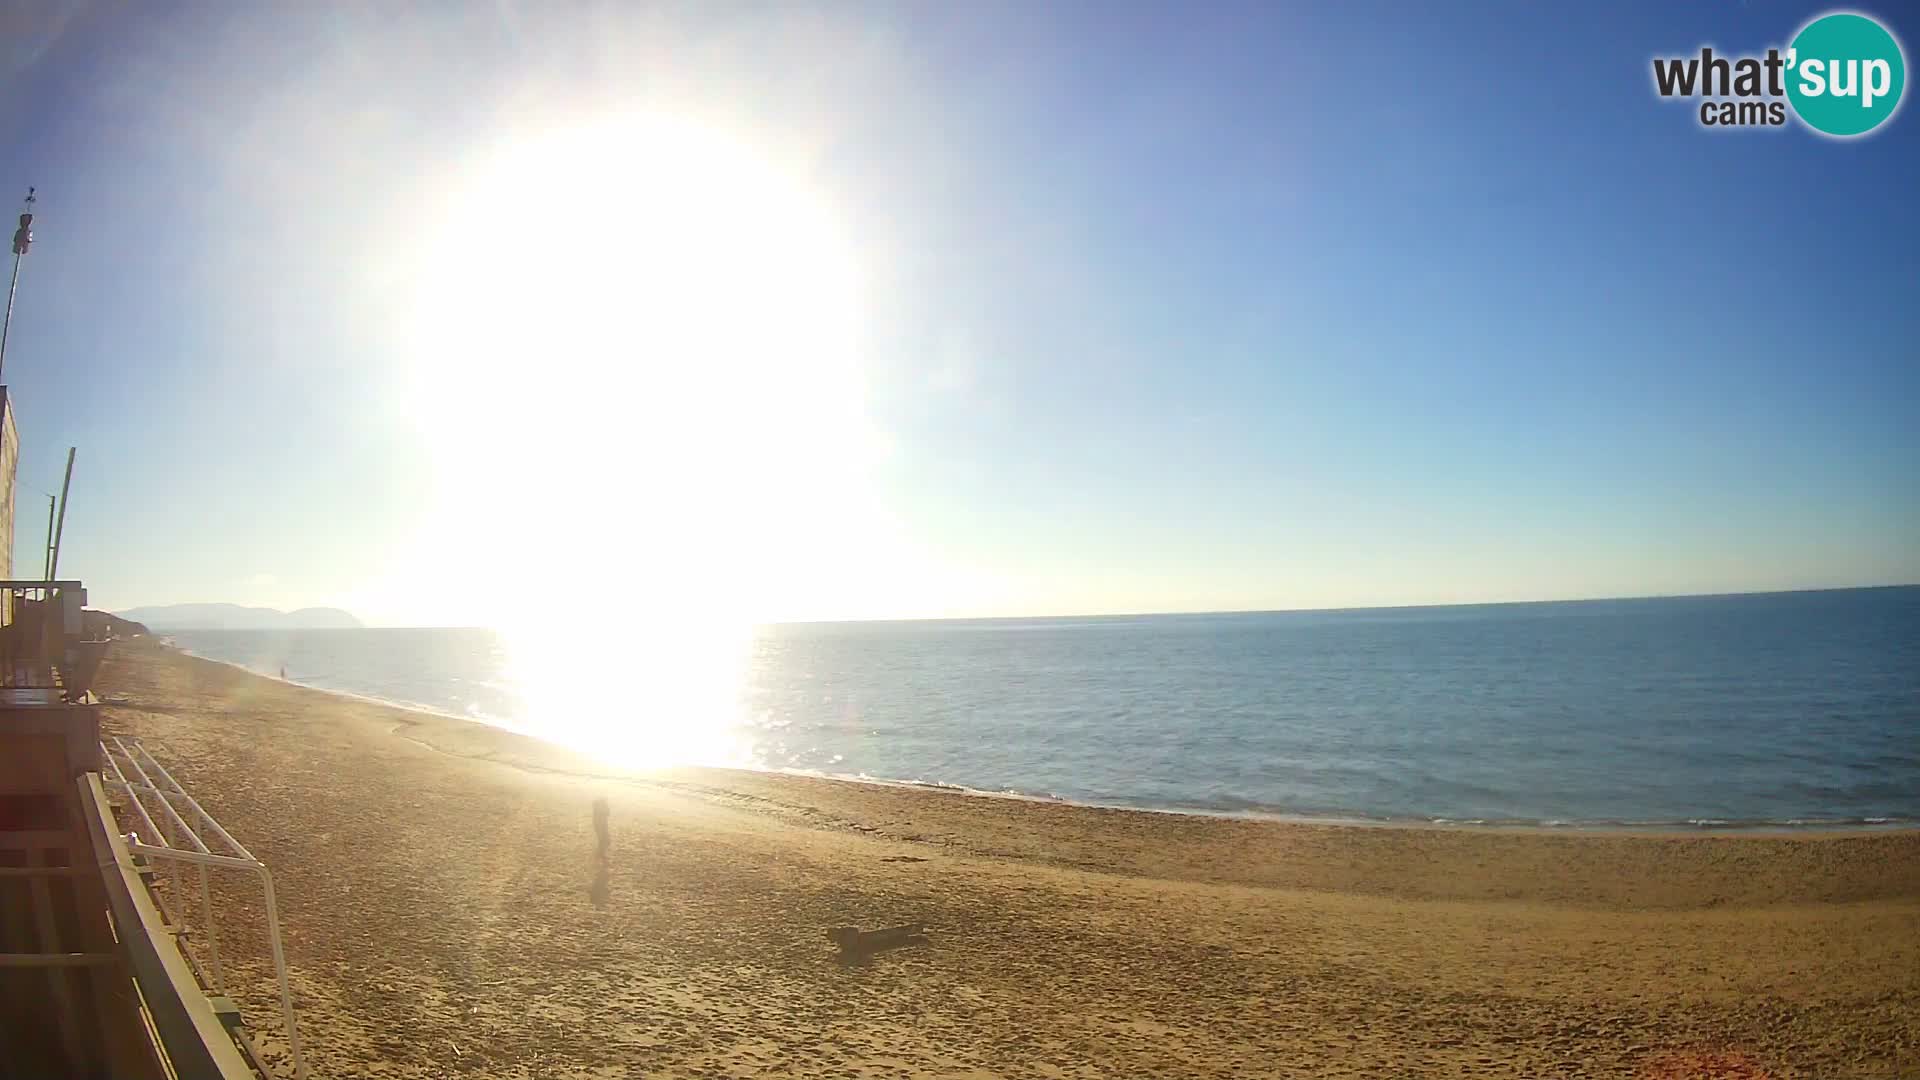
(235,617)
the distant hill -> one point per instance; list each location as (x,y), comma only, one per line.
(100,625)
(235,617)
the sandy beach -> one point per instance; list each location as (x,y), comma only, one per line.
(437,890)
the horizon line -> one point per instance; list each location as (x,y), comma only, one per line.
(1097,615)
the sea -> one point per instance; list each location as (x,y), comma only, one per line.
(1771,710)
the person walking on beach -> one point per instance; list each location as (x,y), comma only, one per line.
(599,890)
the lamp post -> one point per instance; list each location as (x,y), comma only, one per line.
(22,240)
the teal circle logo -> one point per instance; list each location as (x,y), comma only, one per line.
(1845,74)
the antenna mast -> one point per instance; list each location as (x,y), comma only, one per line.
(22,240)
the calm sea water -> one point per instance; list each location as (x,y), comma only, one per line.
(1786,708)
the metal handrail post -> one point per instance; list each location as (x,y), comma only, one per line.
(280,969)
(213,937)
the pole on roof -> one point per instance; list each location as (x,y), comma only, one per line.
(46,557)
(53,563)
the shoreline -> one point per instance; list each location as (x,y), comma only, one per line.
(609,771)
(461,900)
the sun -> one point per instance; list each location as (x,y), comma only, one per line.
(633,360)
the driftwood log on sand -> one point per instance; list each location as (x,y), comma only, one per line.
(854,941)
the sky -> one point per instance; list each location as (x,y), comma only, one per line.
(463,314)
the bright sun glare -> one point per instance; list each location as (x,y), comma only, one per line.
(635,362)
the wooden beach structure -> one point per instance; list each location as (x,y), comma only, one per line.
(100,975)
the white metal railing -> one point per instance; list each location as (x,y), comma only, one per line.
(181,843)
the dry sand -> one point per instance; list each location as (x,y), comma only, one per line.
(436,881)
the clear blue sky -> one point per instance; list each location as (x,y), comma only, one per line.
(1160,307)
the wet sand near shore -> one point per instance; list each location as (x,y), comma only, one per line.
(437,882)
